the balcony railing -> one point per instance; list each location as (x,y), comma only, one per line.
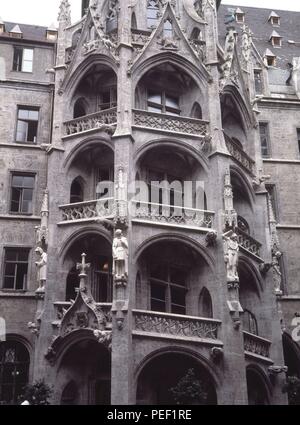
(86,211)
(171,214)
(175,326)
(106,119)
(170,123)
(248,243)
(239,155)
(256,345)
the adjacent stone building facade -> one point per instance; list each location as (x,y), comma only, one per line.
(110,293)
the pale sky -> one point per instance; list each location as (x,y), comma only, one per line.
(44,12)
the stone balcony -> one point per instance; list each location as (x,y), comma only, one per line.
(161,214)
(170,123)
(176,327)
(249,244)
(103,120)
(239,155)
(257,347)
(87,211)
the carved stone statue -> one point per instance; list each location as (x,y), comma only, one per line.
(42,269)
(231,251)
(120,256)
(277,275)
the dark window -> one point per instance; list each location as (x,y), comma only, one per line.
(275,21)
(264,139)
(133,21)
(163,103)
(271,188)
(250,322)
(258,81)
(196,34)
(168,289)
(271,60)
(76,192)
(27,125)
(23,59)
(15,269)
(101,279)
(276,41)
(205,304)
(22,193)
(14,368)
(79,109)
(152,13)
(298,138)
(196,111)
(240,17)
(107,99)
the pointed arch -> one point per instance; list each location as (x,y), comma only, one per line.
(196,111)
(77,190)
(134,25)
(243,109)
(205,304)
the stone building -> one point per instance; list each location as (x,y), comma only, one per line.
(112,290)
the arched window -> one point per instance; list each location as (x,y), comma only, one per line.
(196,111)
(152,13)
(69,394)
(250,322)
(205,304)
(76,194)
(133,21)
(79,109)
(14,369)
(256,387)
(196,34)
(243,225)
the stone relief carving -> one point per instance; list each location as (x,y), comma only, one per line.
(104,337)
(231,255)
(42,269)
(229,215)
(64,12)
(226,68)
(246,44)
(275,250)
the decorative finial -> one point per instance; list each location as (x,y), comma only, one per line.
(83,267)
(64,14)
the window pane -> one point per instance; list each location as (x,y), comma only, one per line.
(177,276)
(158,110)
(9,269)
(21,276)
(9,282)
(32,131)
(17,181)
(28,54)
(23,255)
(178,296)
(33,115)
(16,199)
(172,102)
(155,97)
(11,255)
(158,305)
(159,271)
(27,66)
(17,62)
(23,114)
(22,130)
(28,182)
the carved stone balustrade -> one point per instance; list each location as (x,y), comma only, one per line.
(256,345)
(239,155)
(105,120)
(87,211)
(248,243)
(140,37)
(180,216)
(170,123)
(174,326)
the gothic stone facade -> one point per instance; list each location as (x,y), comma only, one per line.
(150,91)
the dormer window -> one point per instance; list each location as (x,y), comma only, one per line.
(16,32)
(276,39)
(51,33)
(270,58)
(239,16)
(274,19)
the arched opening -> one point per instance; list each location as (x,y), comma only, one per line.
(95,166)
(170,273)
(232,119)
(97,88)
(14,371)
(84,374)
(196,34)
(242,204)
(256,387)
(205,304)
(162,375)
(291,352)
(98,251)
(76,193)
(167,89)
(70,395)
(79,109)
(133,21)
(243,225)
(250,322)
(165,170)
(196,111)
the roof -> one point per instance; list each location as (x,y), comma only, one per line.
(258,21)
(29,32)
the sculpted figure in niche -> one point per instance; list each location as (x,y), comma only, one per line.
(231,251)
(42,269)
(120,255)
